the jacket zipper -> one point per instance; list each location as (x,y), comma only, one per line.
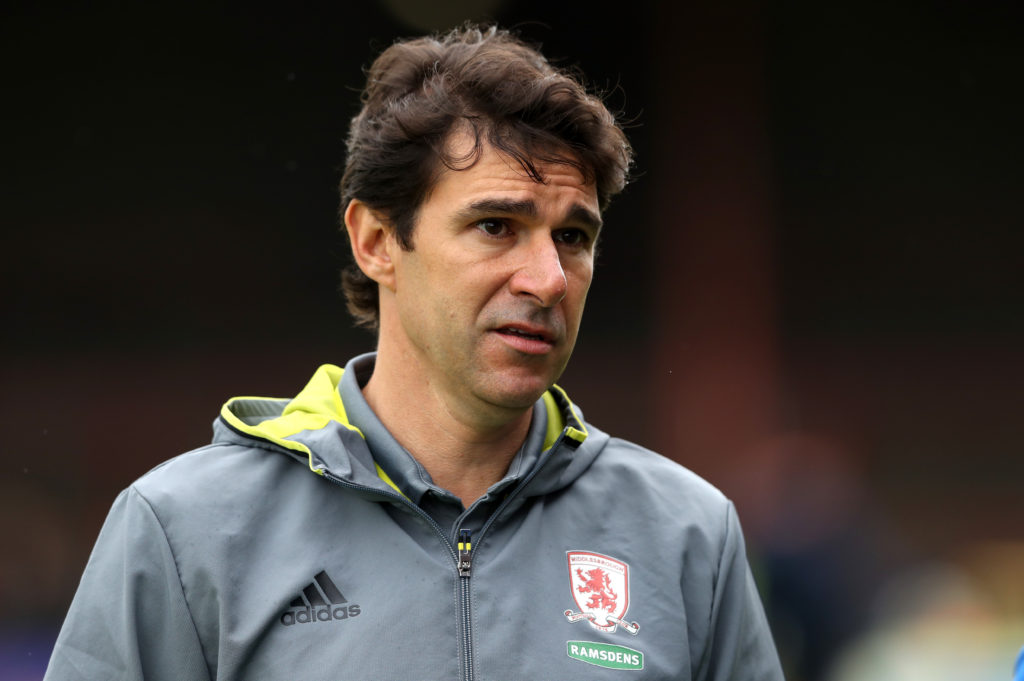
(463,564)
(465,570)
(465,560)
(464,557)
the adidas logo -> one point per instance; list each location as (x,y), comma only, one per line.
(321,601)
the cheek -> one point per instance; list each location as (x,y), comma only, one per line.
(473,288)
(579,285)
(422,287)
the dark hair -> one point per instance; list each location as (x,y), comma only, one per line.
(505,93)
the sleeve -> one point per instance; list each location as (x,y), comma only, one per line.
(740,645)
(129,618)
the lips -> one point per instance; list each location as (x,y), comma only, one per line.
(532,333)
(524,334)
(527,339)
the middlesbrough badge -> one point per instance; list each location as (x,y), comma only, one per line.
(600,587)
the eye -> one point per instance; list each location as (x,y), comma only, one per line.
(571,237)
(493,227)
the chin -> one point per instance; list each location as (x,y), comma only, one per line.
(517,386)
(520,396)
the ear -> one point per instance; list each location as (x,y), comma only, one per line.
(371,241)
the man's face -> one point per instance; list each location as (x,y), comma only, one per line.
(489,300)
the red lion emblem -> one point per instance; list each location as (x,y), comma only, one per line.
(599,586)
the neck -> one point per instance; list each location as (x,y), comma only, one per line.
(465,448)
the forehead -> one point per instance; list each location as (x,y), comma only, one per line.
(496,175)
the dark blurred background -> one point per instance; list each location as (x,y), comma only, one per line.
(811,295)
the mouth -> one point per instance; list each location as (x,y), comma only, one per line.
(527,340)
(536,334)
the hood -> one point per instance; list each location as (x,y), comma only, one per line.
(313,427)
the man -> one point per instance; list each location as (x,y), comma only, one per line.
(437,509)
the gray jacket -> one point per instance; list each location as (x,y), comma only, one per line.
(284,550)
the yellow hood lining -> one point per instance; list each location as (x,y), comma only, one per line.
(319,403)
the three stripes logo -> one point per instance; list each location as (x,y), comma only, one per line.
(321,601)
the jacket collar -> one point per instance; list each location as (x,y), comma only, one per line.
(315,427)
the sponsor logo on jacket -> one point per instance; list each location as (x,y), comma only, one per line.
(321,601)
(605,655)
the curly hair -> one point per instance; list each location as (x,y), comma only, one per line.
(489,82)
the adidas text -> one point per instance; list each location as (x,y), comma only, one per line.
(324,613)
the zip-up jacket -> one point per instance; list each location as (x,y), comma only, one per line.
(300,545)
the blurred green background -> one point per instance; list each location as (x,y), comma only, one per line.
(812,294)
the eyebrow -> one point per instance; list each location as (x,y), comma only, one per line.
(577,214)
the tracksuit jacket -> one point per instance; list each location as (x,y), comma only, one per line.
(286,551)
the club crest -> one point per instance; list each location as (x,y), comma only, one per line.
(600,587)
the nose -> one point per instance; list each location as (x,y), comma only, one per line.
(540,275)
